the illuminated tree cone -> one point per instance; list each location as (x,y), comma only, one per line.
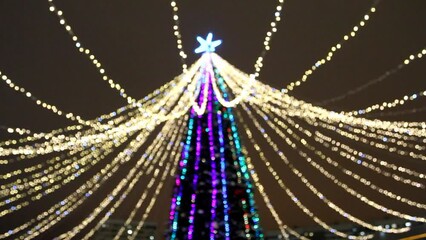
(213,193)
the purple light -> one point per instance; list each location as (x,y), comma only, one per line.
(195,181)
(177,196)
(212,156)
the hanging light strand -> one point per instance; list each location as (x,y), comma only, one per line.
(283,228)
(266,44)
(93,59)
(350,173)
(386,105)
(354,158)
(113,194)
(335,48)
(269,34)
(138,228)
(320,195)
(334,179)
(297,201)
(175,142)
(366,182)
(46,182)
(70,203)
(243,94)
(50,107)
(20,131)
(410,59)
(178,35)
(307,110)
(158,156)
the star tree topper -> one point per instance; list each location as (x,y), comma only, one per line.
(207,45)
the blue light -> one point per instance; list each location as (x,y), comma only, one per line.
(207,45)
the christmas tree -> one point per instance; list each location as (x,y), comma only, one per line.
(213,195)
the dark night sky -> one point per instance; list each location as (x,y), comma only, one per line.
(134,42)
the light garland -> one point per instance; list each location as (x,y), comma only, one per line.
(45,184)
(140,104)
(178,35)
(71,171)
(156,193)
(141,200)
(234,102)
(213,159)
(283,228)
(204,88)
(385,192)
(321,196)
(335,180)
(354,158)
(265,94)
(364,181)
(266,47)
(70,203)
(95,61)
(176,134)
(369,142)
(386,105)
(195,180)
(379,145)
(274,28)
(377,169)
(20,131)
(299,204)
(242,165)
(50,107)
(225,203)
(176,199)
(396,113)
(408,217)
(410,59)
(142,162)
(335,48)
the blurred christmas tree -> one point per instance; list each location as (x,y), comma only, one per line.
(213,194)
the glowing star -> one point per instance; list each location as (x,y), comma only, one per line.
(207,45)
